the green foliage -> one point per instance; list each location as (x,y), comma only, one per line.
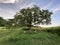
(32,16)
(2,22)
(25,28)
(54,30)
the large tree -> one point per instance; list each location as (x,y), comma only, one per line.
(31,16)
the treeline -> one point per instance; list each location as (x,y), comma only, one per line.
(2,22)
(28,17)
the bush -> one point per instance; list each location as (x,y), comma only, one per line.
(25,28)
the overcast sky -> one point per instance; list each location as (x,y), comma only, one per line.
(8,8)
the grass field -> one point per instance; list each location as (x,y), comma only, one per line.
(38,36)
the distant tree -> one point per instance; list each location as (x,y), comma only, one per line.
(32,16)
(2,22)
(10,23)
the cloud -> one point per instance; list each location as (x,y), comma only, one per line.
(27,5)
(47,5)
(24,4)
(7,13)
(8,1)
(55,9)
(0,8)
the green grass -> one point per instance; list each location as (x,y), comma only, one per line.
(38,36)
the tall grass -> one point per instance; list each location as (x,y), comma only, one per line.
(38,36)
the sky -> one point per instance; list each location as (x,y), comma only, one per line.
(8,8)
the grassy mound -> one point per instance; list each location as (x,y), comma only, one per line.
(38,36)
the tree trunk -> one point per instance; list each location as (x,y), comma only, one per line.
(30,27)
(30,24)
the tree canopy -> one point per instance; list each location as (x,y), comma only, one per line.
(32,16)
